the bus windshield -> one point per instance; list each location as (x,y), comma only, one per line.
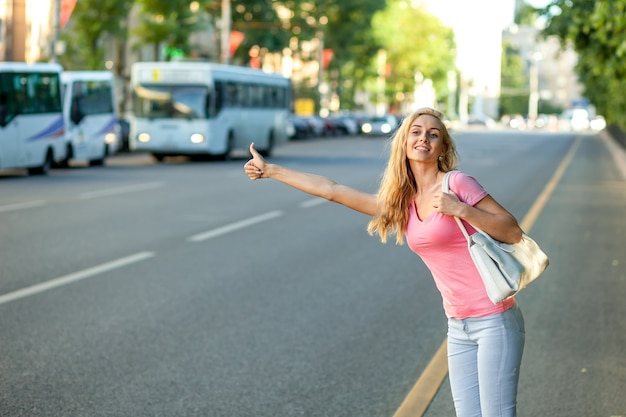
(28,93)
(171,101)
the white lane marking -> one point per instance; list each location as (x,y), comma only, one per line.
(76,276)
(20,206)
(312,202)
(120,190)
(234,226)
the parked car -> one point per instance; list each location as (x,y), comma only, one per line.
(481,121)
(380,125)
(299,127)
(330,126)
(345,124)
(316,125)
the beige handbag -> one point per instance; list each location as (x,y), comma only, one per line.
(505,268)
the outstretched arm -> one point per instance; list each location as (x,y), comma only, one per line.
(316,185)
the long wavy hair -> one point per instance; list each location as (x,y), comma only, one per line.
(398,186)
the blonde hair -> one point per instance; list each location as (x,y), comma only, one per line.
(398,185)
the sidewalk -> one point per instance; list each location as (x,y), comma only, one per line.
(617,150)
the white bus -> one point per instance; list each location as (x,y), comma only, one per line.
(205,109)
(91,116)
(32,130)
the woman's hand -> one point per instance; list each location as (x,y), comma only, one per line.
(255,167)
(447,203)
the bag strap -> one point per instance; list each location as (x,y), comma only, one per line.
(445,187)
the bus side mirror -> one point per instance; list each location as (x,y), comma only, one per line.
(76,115)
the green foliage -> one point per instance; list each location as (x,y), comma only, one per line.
(415,41)
(514,81)
(596,29)
(91,24)
(259,21)
(346,27)
(349,35)
(168,23)
(526,15)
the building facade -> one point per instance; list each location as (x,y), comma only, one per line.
(27,30)
(556,80)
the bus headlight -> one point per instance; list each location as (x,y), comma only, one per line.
(143,137)
(366,128)
(197,138)
(110,138)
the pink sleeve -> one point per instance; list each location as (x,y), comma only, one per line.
(467,188)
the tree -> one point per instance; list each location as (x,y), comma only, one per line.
(168,24)
(515,88)
(345,28)
(349,35)
(596,30)
(91,24)
(271,26)
(261,25)
(415,42)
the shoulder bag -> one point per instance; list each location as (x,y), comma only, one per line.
(505,268)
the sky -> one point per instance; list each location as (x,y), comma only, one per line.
(480,12)
(478,26)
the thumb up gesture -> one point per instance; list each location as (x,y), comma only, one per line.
(254,167)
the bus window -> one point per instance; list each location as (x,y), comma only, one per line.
(4,108)
(164,101)
(244,95)
(256,94)
(219,96)
(232,97)
(93,97)
(8,106)
(40,93)
(210,105)
(189,102)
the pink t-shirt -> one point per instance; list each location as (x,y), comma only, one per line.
(440,243)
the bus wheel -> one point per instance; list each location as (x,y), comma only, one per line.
(44,168)
(69,153)
(158,156)
(230,145)
(270,146)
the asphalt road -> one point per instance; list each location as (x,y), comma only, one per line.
(184,289)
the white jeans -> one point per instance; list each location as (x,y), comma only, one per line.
(484,357)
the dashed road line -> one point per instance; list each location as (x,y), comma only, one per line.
(76,276)
(21,206)
(312,202)
(234,226)
(120,190)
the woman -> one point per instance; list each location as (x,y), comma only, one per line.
(485,341)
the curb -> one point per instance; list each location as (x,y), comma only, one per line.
(616,149)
